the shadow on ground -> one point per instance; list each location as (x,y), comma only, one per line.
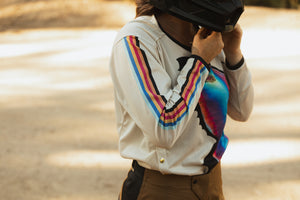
(36,14)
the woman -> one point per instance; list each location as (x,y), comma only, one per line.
(174,86)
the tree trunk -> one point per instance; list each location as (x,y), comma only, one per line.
(292,4)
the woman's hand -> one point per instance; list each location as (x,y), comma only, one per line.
(232,45)
(207,44)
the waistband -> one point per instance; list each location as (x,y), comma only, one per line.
(180,181)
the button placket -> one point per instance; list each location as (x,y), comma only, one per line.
(162,159)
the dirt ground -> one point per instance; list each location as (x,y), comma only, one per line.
(58,139)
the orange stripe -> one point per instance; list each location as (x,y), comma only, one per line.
(186,88)
(172,120)
(140,62)
(150,93)
(152,89)
(191,81)
(194,85)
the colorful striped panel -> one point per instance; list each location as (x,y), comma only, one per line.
(213,104)
(167,118)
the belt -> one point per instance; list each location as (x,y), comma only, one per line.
(206,186)
(157,178)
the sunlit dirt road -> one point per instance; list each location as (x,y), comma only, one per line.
(58,139)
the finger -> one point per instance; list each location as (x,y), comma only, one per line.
(204,33)
(238,27)
(215,35)
(237,30)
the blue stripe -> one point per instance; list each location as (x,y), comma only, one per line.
(140,80)
(171,125)
(197,85)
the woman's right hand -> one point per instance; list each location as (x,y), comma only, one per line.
(207,46)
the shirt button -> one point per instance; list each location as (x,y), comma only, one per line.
(162,160)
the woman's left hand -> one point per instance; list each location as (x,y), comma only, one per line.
(232,45)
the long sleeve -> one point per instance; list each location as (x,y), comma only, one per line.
(241,96)
(143,88)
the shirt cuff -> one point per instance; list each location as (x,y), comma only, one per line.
(237,66)
(202,61)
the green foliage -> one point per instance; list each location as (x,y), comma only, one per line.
(273,3)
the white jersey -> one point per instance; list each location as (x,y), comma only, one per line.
(171,106)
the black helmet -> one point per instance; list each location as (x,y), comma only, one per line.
(217,15)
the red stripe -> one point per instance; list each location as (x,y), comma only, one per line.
(195,73)
(174,114)
(145,75)
(151,90)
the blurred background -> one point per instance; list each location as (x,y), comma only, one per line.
(58,138)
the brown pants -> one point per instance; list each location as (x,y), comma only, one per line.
(144,184)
